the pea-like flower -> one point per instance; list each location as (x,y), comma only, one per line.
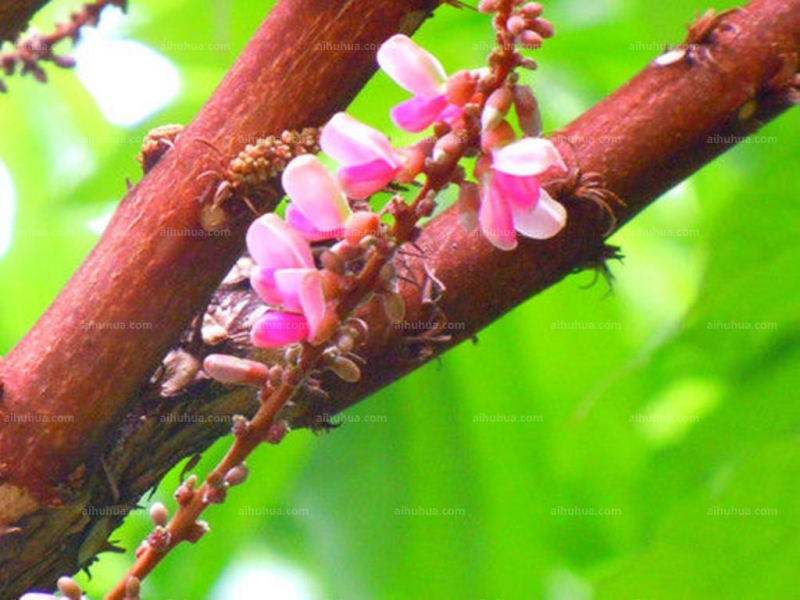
(419,72)
(285,277)
(512,199)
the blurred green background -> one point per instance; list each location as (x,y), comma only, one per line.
(638,444)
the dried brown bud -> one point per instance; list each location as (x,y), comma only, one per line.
(345,369)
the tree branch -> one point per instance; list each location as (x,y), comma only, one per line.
(640,141)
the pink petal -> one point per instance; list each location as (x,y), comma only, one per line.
(361,181)
(351,142)
(275,329)
(263,282)
(528,156)
(417,114)
(302,225)
(312,301)
(411,67)
(521,193)
(497,223)
(315,193)
(275,245)
(546,219)
(288,283)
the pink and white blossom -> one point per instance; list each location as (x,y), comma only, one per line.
(419,72)
(285,277)
(512,199)
(369,163)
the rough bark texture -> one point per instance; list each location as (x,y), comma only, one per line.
(643,139)
(89,356)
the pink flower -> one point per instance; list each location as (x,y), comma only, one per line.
(368,160)
(512,199)
(284,276)
(318,208)
(419,72)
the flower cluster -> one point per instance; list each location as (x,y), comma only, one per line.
(469,113)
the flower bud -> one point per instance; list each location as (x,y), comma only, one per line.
(487,6)
(527,108)
(530,39)
(447,148)
(497,106)
(517,24)
(133,587)
(237,475)
(498,136)
(532,10)
(231,369)
(276,432)
(159,514)
(69,587)
(413,162)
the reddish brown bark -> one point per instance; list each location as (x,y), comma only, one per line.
(643,139)
(73,362)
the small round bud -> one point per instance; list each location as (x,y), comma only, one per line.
(240,426)
(517,24)
(487,6)
(70,588)
(215,495)
(543,27)
(133,588)
(532,10)
(159,514)
(447,148)
(413,163)
(530,39)
(276,432)
(159,539)
(237,475)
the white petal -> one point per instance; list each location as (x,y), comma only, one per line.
(528,156)
(546,219)
(412,67)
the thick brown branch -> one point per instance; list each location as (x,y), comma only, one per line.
(643,139)
(15,16)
